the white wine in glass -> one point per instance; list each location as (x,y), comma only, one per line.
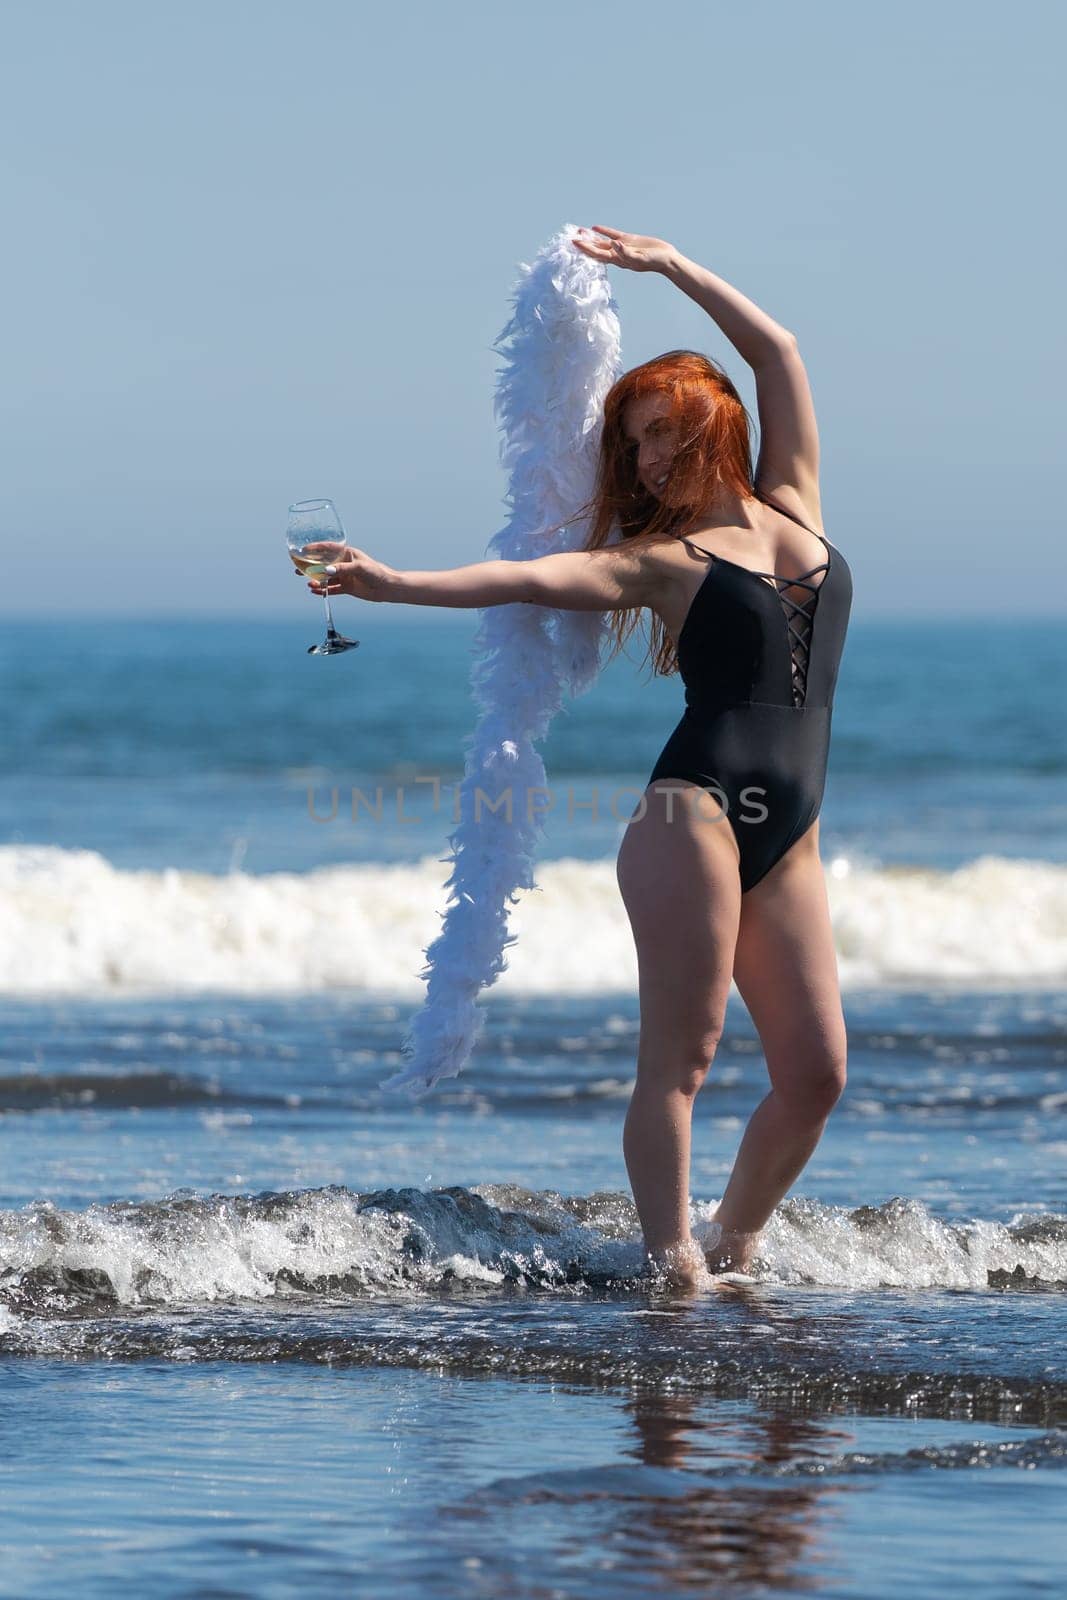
(310,566)
(310,521)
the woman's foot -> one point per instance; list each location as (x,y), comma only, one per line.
(682,1265)
(730,1250)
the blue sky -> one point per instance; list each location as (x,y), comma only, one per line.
(257,252)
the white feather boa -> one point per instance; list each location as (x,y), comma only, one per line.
(563,350)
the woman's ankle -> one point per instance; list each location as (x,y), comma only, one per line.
(683,1263)
(731,1249)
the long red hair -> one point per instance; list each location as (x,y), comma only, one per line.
(713,448)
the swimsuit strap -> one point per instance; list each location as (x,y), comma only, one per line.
(786,513)
(766,500)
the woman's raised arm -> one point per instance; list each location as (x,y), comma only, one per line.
(789,434)
(754,335)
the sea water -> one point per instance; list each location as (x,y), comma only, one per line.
(263,1326)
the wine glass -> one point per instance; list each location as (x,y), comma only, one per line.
(309,521)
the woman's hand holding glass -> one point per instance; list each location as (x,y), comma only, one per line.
(347,571)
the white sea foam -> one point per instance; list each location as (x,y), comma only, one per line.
(185,1248)
(902,1244)
(71,922)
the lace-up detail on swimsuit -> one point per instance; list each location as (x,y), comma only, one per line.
(799,617)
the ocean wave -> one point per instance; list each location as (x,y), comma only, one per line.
(505,1282)
(334,1243)
(72,923)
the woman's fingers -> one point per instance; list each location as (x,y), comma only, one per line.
(595,248)
(636,252)
(610,246)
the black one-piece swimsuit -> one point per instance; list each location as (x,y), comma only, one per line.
(759,669)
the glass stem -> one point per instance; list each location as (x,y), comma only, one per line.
(329,614)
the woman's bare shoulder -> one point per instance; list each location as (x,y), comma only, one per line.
(660,557)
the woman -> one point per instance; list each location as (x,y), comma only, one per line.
(719,866)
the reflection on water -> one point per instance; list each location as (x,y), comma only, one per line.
(705,1499)
(742,1533)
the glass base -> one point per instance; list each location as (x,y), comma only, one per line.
(334,644)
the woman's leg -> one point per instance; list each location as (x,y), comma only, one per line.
(678,874)
(785,967)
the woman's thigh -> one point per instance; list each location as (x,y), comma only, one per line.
(678,875)
(785,966)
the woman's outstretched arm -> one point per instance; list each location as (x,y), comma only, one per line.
(610,579)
